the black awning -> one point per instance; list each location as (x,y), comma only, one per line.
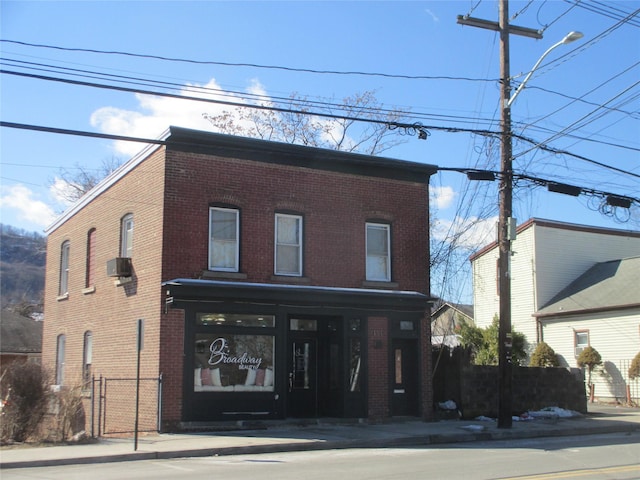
(184,290)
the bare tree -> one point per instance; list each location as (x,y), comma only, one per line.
(72,184)
(358,124)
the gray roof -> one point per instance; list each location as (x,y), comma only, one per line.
(19,334)
(605,286)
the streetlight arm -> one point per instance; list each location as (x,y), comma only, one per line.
(568,39)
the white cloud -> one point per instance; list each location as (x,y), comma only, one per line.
(433,16)
(156,114)
(471,233)
(20,199)
(441,197)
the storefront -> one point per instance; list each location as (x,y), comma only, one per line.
(275,351)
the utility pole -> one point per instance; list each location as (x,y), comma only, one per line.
(506,224)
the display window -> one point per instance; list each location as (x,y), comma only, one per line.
(232,361)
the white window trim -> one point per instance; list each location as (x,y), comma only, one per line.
(65,252)
(236,266)
(61,343)
(299,245)
(125,235)
(387,228)
(579,347)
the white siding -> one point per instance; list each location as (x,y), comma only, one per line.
(563,255)
(547,256)
(616,337)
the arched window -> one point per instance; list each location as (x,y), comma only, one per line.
(87,354)
(126,236)
(63,288)
(91,258)
(60,347)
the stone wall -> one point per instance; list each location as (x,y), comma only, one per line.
(533,388)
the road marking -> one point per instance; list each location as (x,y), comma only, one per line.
(579,473)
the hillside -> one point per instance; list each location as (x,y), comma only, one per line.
(22,265)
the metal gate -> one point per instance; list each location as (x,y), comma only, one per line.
(113,405)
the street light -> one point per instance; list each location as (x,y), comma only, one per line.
(507,224)
(570,37)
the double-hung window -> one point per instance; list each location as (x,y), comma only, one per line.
(224,239)
(60,353)
(378,252)
(63,288)
(126,236)
(288,251)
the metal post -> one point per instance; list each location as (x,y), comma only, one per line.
(504,224)
(159,426)
(139,344)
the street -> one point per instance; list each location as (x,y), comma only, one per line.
(598,456)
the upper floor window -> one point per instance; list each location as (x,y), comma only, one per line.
(91,258)
(63,287)
(288,252)
(126,236)
(60,347)
(378,252)
(224,239)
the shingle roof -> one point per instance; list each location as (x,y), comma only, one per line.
(604,286)
(19,334)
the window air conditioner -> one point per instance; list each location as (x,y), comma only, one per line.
(119,267)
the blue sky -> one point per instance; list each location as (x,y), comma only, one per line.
(583,99)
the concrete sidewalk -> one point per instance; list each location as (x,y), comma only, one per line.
(320,436)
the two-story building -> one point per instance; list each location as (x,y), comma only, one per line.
(271,280)
(572,286)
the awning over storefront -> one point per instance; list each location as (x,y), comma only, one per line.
(182,291)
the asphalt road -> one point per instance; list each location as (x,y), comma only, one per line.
(598,456)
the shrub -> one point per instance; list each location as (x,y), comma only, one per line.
(483,343)
(70,412)
(590,358)
(634,370)
(25,394)
(543,356)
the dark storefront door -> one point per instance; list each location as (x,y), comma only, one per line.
(314,362)
(405,378)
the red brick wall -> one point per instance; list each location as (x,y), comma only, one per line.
(335,208)
(170,203)
(378,368)
(110,312)
(427,368)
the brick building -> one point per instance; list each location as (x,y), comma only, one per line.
(273,281)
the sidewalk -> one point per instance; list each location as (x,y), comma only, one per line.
(320,436)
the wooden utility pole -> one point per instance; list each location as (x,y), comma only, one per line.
(506,224)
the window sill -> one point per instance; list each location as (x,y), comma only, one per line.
(59,298)
(290,279)
(373,284)
(88,290)
(228,275)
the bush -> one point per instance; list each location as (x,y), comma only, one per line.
(25,394)
(543,356)
(590,358)
(634,370)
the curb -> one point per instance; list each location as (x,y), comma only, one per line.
(417,440)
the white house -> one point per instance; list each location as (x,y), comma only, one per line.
(601,309)
(547,257)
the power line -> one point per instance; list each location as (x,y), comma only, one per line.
(251,65)
(466,170)
(416,127)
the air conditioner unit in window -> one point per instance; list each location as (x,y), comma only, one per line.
(579,351)
(119,267)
